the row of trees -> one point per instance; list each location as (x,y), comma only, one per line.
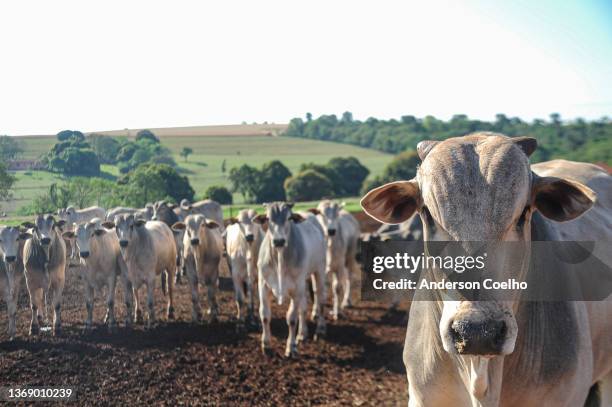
(576,140)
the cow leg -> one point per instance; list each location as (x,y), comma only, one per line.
(303,311)
(318,284)
(150,303)
(110,304)
(211,291)
(128,298)
(137,305)
(36,304)
(292,320)
(238,294)
(170,309)
(57,288)
(347,271)
(89,304)
(192,279)
(336,295)
(265,314)
(11,304)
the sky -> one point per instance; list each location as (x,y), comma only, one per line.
(103,65)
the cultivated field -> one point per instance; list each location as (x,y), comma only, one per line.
(204,167)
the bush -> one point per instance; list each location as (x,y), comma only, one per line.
(403,167)
(152,182)
(66,135)
(105,147)
(147,135)
(219,194)
(308,185)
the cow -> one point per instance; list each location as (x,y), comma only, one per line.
(44,259)
(148,250)
(101,255)
(70,215)
(203,250)
(293,250)
(243,240)
(209,208)
(145,213)
(12,240)
(481,188)
(342,233)
(164,212)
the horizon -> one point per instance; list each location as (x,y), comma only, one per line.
(149,65)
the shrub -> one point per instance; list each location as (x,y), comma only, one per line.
(308,185)
(219,194)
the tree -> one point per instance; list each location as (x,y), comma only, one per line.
(219,194)
(244,181)
(350,175)
(270,184)
(402,167)
(81,191)
(308,185)
(147,135)
(106,148)
(223,166)
(10,148)
(152,182)
(186,152)
(74,135)
(6,182)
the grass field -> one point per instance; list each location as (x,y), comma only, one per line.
(241,145)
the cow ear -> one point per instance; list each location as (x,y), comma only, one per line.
(178,226)
(139,222)
(68,235)
(261,219)
(314,211)
(561,199)
(527,144)
(394,202)
(211,224)
(108,224)
(232,221)
(25,235)
(28,225)
(297,218)
(99,232)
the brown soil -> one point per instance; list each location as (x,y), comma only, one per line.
(178,363)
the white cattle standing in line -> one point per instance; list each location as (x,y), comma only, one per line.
(342,233)
(44,259)
(243,240)
(202,253)
(293,249)
(208,208)
(145,213)
(149,251)
(101,255)
(12,240)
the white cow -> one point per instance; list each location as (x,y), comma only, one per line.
(71,215)
(293,250)
(101,255)
(243,240)
(342,233)
(12,240)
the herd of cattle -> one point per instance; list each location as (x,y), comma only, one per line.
(475,188)
(275,253)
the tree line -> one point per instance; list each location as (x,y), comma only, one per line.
(578,140)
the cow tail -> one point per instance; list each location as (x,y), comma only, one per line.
(164,282)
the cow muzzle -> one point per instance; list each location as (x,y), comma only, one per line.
(249,238)
(10,259)
(279,242)
(331,232)
(45,241)
(84,254)
(486,337)
(123,243)
(195,242)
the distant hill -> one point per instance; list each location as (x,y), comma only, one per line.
(206,131)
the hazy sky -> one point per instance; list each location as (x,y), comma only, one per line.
(117,64)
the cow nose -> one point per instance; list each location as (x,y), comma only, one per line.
(195,242)
(279,242)
(249,238)
(45,240)
(479,337)
(84,255)
(331,232)
(10,259)
(123,243)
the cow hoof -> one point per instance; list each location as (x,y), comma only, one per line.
(34,330)
(320,334)
(291,353)
(171,313)
(57,331)
(347,305)
(267,351)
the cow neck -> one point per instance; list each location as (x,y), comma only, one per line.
(141,241)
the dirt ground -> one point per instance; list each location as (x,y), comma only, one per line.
(178,363)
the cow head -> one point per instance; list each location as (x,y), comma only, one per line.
(279,217)
(10,242)
(327,213)
(43,228)
(479,188)
(83,234)
(245,219)
(125,227)
(193,226)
